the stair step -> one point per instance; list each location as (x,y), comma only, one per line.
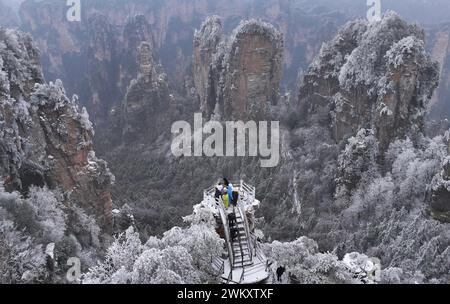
(243,242)
(239,261)
(237,246)
(241,236)
(246,263)
(239,224)
(239,256)
(238,250)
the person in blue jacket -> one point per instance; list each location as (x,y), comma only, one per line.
(229,188)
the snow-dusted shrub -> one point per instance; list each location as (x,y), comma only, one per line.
(153,264)
(21,260)
(185,255)
(202,243)
(49,214)
(84,226)
(306,265)
(358,159)
(121,255)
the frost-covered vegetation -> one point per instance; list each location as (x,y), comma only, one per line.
(50,180)
(305,264)
(38,234)
(180,256)
(367,179)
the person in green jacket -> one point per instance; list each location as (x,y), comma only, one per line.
(226,201)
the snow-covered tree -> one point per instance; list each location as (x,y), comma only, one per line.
(21,260)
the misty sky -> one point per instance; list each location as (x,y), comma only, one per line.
(422,11)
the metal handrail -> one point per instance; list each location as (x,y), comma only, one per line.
(242,251)
(230,277)
(242,254)
(246,228)
(242,275)
(227,231)
(220,265)
(247,192)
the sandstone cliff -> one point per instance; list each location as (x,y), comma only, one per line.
(147,100)
(207,64)
(96,58)
(237,77)
(45,139)
(372,75)
(439,45)
(65,53)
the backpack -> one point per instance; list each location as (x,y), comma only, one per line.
(235,198)
(232,219)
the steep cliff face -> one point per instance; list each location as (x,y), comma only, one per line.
(45,140)
(171,25)
(365,176)
(305,26)
(136,31)
(147,101)
(96,57)
(207,63)
(102,68)
(438,43)
(238,77)
(372,75)
(253,64)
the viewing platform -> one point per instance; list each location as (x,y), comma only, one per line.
(243,261)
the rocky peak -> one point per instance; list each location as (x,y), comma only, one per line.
(102,71)
(239,76)
(439,45)
(136,31)
(253,69)
(146,100)
(45,139)
(146,64)
(373,75)
(206,46)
